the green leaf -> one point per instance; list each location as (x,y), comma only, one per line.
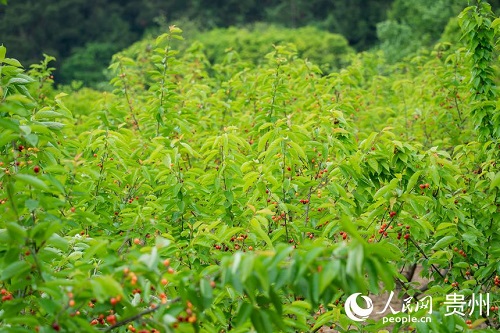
(305,262)
(12,62)
(19,80)
(495,182)
(52,125)
(7,137)
(58,242)
(31,204)
(446,225)
(105,287)
(298,149)
(243,313)
(372,276)
(355,260)
(25,129)
(324,320)
(386,189)
(32,139)
(417,207)
(413,180)
(470,239)
(373,164)
(261,322)
(495,23)
(250,179)
(255,224)
(47,114)
(4,236)
(434,174)
(15,269)
(301,305)
(44,230)
(384,249)
(190,150)
(422,327)
(206,293)
(385,273)
(443,242)
(32,180)
(16,232)
(174,29)
(276,300)
(150,259)
(350,227)
(3,49)
(8,124)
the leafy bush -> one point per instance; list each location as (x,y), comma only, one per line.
(199,197)
(118,23)
(329,51)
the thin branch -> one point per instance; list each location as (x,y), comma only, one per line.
(425,256)
(139,315)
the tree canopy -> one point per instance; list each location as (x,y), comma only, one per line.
(83,34)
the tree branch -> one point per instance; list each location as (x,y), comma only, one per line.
(139,315)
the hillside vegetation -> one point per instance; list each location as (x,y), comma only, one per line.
(226,191)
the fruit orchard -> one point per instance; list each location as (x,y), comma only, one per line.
(234,196)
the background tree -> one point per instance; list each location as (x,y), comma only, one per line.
(411,25)
(77,31)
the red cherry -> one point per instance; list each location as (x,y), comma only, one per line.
(36,169)
(111,319)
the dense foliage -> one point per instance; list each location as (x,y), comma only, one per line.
(240,196)
(412,25)
(83,35)
(330,52)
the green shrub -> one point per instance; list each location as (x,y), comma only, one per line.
(329,51)
(201,197)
